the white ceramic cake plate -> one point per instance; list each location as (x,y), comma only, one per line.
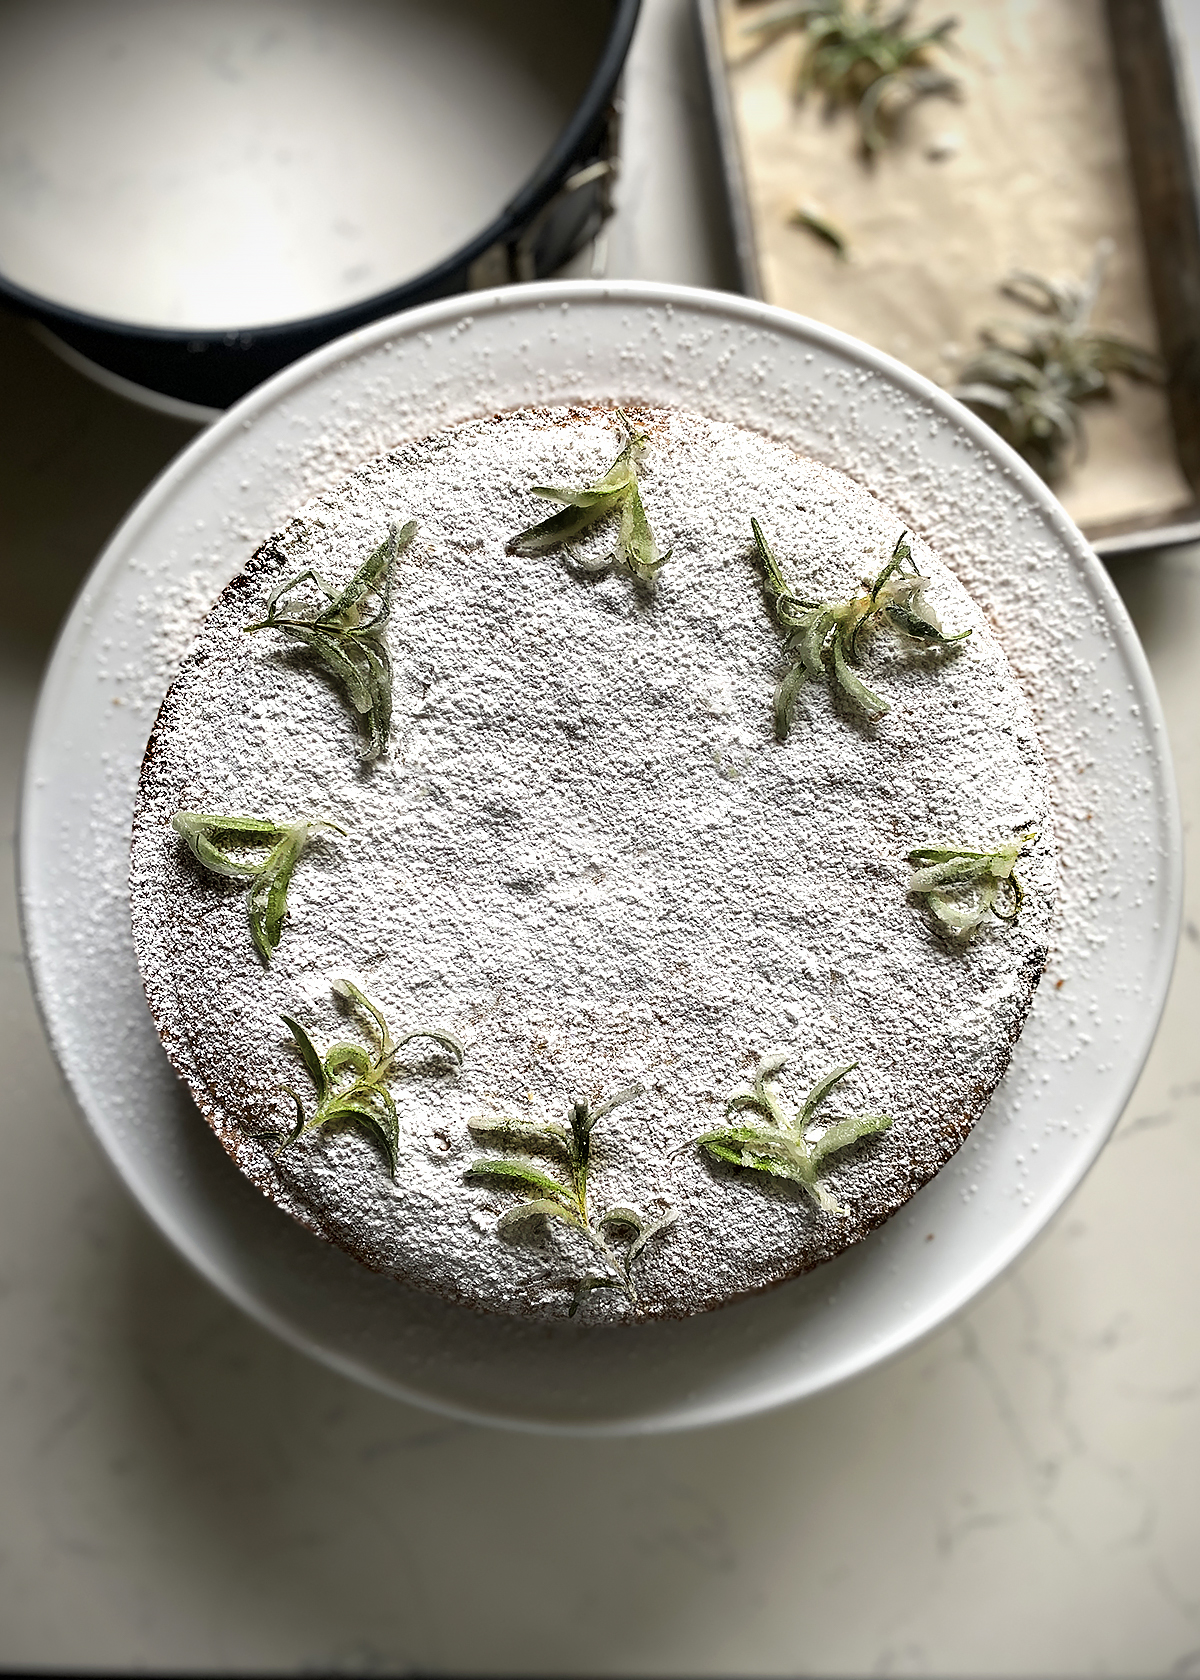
(1094,1015)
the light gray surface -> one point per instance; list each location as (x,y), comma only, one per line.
(179,1490)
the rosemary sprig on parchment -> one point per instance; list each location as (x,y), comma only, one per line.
(636,551)
(1030,379)
(352,1082)
(618,1236)
(347,636)
(210,837)
(961,887)
(825,638)
(877,66)
(776,1144)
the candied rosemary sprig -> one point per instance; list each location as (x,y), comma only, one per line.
(879,67)
(551,1199)
(1029,381)
(961,886)
(779,1146)
(351,1082)
(825,637)
(636,551)
(209,837)
(347,637)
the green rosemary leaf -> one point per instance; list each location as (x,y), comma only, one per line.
(441,1036)
(920,629)
(285,588)
(258,907)
(613,484)
(921,856)
(962,915)
(964,867)
(297,1129)
(761,1096)
(765,1074)
(584,508)
(760,1150)
(382,1125)
(821,1090)
(807,216)
(346,989)
(275,906)
(580,1119)
(373,577)
(605,500)
(901,558)
(777,584)
(731,1137)
(379,683)
(623,472)
(584,1288)
(910,625)
(308,1055)
(902,598)
(337,663)
(626,1094)
(561,527)
(523,1174)
(536,1137)
(342,1056)
(854,688)
(649,1232)
(201,833)
(812,638)
(949,863)
(267,903)
(766,1068)
(622,1218)
(842,1133)
(526,1213)
(786,695)
(636,549)
(270,876)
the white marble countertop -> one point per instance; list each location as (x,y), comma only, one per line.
(180,1491)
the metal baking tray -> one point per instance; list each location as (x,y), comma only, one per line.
(1153,49)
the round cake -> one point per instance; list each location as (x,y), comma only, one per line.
(593,862)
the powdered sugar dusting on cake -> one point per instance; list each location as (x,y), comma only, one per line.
(586,853)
